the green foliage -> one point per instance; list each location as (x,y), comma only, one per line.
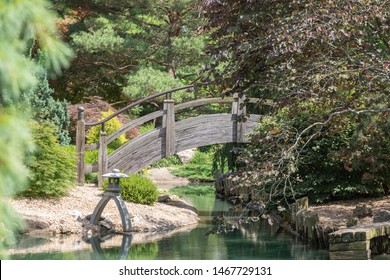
(146,128)
(170,161)
(91,178)
(143,251)
(111,126)
(14,145)
(198,169)
(139,46)
(46,108)
(335,159)
(101,38)
(328,134)
(148,80)
(224,158)
(21,22)
(138,189)
(52,168)
(193,190)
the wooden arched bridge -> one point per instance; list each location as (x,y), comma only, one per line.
(170,138)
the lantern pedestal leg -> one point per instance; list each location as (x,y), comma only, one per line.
(126,222)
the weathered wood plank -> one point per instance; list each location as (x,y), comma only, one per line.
(170,127)
(136,143)
(202,102)
(102,159)
(92,147)
(132,124)
(351,246)
(90,168)
(190,133)
(350,255)
(80,151)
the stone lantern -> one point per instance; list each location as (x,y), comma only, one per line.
(113,192)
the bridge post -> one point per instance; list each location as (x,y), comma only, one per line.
(80,146)
(102,160)
(239,109)
(170,128)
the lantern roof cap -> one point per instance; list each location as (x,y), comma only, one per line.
(115,174)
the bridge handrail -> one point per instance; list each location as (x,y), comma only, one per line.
(138,102)
(190,104)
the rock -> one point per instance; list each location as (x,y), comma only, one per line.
(186,155)
(382,216)
(168,198)
(106,224)
(75,213)
(352,222)
(88,217)
(362,210)
(34,224)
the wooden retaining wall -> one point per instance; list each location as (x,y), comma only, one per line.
(358,242)
(301,220)
(355,243)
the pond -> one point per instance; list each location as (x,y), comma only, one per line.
(206,241)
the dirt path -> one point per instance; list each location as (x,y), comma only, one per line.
(164,179)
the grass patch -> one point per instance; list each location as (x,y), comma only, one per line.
(167,162)
(193,190)
(200,168)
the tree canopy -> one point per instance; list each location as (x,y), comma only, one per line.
(326,66)
(130,49)
(23,23)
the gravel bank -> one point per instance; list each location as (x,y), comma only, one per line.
(59,216)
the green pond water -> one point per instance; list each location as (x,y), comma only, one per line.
(251,241)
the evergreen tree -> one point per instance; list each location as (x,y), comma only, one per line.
(130,48)
(19,21)
(46,108)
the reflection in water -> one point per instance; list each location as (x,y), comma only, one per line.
(95,242)
(252,240)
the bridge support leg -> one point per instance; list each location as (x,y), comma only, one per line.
(80,146)
(239,109)
(170,128)
(102,161)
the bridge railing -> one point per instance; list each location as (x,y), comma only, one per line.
(168,124)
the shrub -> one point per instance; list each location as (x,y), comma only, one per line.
(111,126)
(138,189)
(91,178)
(146,128)
(52,167)
(173,160)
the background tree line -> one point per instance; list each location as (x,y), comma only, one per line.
(324,63)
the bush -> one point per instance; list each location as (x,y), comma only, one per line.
(52,167)
(173,160)
(111,126)
(137,189)
(146,128)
